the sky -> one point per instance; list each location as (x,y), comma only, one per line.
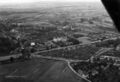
(29,1)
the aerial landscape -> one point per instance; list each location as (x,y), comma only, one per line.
(67,41)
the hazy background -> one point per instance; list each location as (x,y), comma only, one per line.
(28,1)
(41,21)
(35,3)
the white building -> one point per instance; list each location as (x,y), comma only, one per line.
(64,39)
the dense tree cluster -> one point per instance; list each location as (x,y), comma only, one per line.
(7,45)
(113,52)
(99,70)
(109,43)
(8,36)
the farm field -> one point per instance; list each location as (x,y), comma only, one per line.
(38,70)
(58,30)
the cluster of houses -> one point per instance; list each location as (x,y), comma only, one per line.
(55,43)
(110,59)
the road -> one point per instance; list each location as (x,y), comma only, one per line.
(17,55)
(103,50)
(39,70)
(35,71)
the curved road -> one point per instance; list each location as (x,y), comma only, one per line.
(39,70)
